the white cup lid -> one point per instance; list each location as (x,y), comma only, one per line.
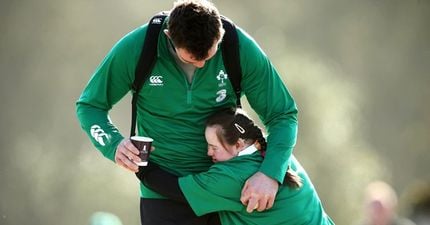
(142,139)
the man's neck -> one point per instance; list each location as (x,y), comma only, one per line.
(189,69)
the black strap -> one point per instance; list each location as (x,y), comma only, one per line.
(231,57)
(230,54)
(146,62)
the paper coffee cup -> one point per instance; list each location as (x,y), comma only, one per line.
(144,145)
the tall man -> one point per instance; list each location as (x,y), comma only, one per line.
(187,84)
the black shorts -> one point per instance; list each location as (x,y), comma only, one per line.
(168,212)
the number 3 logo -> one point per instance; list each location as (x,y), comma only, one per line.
(221,95)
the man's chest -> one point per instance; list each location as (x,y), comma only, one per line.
(169,88)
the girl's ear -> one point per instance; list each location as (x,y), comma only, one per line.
(240,144)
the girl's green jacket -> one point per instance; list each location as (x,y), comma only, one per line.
(219,190)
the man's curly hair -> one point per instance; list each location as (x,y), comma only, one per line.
(195,25)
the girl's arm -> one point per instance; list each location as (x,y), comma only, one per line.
(161,182)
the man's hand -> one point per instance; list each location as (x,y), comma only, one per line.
(126,154)
(259,192)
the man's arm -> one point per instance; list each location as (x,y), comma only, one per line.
(110,82)
(270,99)
(106,137)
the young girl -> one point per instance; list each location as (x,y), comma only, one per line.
(237,147)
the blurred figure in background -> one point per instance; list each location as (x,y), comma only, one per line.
(380,202)
(418,201)
(104,218)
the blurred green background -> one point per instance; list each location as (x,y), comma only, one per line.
(359,71)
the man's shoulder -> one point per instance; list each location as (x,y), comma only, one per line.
(129,44)
(247,43)
(243,35)
(135,35)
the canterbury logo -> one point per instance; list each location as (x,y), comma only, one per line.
(156,80)
(156,21)
(98,133)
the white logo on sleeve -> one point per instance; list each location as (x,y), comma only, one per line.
(221,95)
(98,133)
(221,77)
(156,81)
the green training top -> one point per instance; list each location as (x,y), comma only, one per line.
(173,111)
(219,190)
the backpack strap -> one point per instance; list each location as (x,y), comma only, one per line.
(146,62)
(231,57)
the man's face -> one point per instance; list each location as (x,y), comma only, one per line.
(187,57)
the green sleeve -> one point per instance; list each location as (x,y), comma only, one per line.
(110,82)
(270,99)
(212,191)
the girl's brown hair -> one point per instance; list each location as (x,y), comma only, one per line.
(233,124)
